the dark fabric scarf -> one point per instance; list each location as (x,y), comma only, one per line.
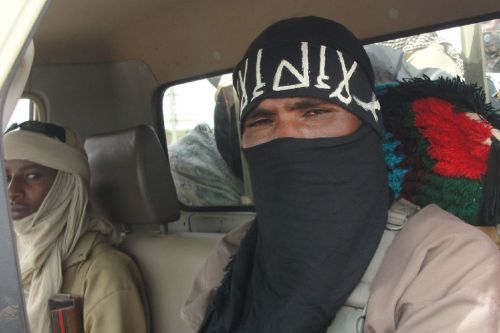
(321,210)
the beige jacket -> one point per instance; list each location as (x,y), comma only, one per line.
(438,275)
(111,286)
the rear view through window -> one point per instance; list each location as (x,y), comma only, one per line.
(203,142)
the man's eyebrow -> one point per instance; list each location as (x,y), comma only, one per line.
(257,112)
(300,104)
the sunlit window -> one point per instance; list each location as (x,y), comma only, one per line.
(26,109)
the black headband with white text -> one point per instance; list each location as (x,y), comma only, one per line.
(303,69)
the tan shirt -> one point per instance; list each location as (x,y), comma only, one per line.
(111,286)
(439,275)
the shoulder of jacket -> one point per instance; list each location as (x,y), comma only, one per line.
(433,228)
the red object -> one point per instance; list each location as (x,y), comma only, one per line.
(455,140)
(61,322)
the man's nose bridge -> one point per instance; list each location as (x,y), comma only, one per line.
(14,187)
(285,128)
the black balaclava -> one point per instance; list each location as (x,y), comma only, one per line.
(321,203)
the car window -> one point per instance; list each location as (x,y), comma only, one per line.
(203,142)
(471,52)
(491,41)
(201,119)
(26,109)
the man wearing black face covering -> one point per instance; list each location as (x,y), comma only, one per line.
(312,137)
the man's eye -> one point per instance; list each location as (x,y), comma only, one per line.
(315,112)
(33,176)
(258,122)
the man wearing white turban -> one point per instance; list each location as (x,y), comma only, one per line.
(63,246)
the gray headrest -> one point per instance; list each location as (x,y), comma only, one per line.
(131,181)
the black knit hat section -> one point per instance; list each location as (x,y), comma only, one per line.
(316,30)
(308,57)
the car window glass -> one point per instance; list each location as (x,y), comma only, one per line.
(26,109)
(203,142)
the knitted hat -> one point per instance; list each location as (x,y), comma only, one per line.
(308,57)
(440,146)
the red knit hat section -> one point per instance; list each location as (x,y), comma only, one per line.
(456,142)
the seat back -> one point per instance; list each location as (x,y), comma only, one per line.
(131,181)
(169,264)
(132,185)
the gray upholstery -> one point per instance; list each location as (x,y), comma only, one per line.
(131,181)
(169,264)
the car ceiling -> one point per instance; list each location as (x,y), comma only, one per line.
(178,39)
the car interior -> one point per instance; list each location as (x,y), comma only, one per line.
(111,70)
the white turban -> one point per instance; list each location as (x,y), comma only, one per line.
(36,147)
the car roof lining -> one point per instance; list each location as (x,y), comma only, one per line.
(180,39)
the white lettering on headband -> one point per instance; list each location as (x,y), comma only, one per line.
(342,92)
(322,76)
(258,78)
(302,78)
